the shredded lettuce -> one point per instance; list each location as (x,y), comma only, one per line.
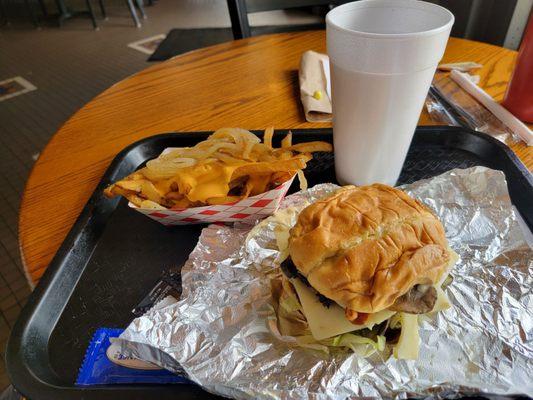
(360,345)
(409,342)
(396,321)
(309,342)
(289,302)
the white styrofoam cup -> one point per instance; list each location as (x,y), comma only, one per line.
(383,54)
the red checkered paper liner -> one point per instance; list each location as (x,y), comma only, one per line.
(250,209)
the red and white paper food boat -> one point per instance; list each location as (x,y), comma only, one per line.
(250,209)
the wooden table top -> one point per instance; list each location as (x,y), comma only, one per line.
(251,83)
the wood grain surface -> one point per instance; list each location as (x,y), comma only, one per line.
(250,83)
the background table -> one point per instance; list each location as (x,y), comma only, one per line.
(250,83)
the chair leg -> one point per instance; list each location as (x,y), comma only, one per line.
(3,14)
(91,13)
(102,9)
(133,13)
(30,9)
(141,8)
(43,8)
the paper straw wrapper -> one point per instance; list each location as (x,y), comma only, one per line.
(249,209)
(460,66)
(513,123)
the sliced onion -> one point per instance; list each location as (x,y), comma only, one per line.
(164,169)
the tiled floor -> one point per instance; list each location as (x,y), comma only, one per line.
(69,66)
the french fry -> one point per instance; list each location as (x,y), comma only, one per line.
(175,196)
(131,185)
(181,204)
(150,192)
(132,197)
(302,179)
(262,168)
(310,147)
(232,164)
(257,184)
(286,141)
(267,138)
(222,200)
(279,177)
(151,205)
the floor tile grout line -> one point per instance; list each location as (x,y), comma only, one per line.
(14,262)
(5,199)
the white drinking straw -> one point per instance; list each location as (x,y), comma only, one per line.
(500,112)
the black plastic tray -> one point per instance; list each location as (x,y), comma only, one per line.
(113,256)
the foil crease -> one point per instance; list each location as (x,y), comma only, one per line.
(219,330)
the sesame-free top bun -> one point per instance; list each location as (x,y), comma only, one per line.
(366,246)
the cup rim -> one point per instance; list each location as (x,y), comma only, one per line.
(399,3)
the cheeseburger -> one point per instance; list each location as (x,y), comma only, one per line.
(362,265)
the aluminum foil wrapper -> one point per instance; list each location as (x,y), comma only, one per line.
(219,330)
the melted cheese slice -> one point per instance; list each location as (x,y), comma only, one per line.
(203,182)
(442,302)
(409,341)
(327,322)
